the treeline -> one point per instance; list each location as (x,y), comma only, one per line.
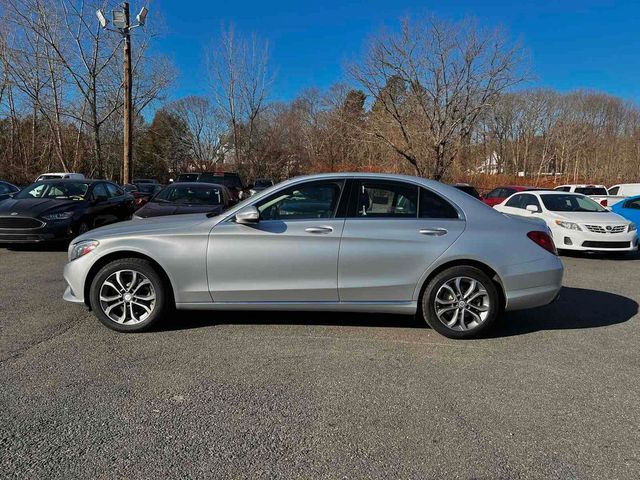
(434,98)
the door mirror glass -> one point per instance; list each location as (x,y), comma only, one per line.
(533,208)
(248,215)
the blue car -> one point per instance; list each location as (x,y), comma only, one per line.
(629,208)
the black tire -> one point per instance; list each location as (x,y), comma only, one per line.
(428,302)
(161,306)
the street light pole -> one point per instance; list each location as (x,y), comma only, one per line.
(122,22)
(127,166)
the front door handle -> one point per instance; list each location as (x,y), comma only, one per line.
(433,232)
(324,229)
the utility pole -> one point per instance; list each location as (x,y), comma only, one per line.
(122,21)
(127,167)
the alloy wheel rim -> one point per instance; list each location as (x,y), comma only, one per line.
(462,304)
(127,297)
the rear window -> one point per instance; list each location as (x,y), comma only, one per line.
(592,190)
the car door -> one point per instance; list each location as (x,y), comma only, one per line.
(290,255)
(121,204)
(98,210)
(394,231)
(494,197)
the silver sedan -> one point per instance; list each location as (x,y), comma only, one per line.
(335,242)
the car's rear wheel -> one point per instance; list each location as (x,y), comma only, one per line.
(128,295)
(461,302)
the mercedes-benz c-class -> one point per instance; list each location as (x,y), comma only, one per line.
(333,242)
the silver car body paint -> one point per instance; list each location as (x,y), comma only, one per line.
(359,264)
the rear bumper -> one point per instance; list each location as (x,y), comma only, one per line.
(533,284)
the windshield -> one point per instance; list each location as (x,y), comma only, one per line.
(226,180)
(190,195)
(592,190)
(60,190)
(571,203)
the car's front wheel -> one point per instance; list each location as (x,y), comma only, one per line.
(461,302)
(128,295)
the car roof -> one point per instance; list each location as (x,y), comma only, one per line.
(549,192)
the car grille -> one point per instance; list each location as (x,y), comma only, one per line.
(20,222)
(606,229)
(606,244)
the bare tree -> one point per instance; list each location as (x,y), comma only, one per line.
(206,128)
(430,83)
(239,70)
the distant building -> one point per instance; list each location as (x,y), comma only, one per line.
(491,165)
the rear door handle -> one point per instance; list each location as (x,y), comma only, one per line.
(433,232)
(324,229)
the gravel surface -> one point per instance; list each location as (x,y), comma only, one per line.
(554,393)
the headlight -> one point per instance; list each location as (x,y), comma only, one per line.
(568,225)
(58,216)
(82,248)
(632,227)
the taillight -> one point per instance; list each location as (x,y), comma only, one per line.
(544,240)
(604,202)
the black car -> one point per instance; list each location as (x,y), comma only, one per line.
(136,181)
(468,189)
(259,185)
(7,189)
(231,180)
(181,198)
(61,209)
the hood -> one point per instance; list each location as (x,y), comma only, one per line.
(157,209)
(590,217)
(151,226)
(36,207)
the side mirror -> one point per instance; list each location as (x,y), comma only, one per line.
(533,208)
(248,216)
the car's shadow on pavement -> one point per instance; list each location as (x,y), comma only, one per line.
(188,319)
(577,308)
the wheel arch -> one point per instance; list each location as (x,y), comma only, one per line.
(490,272)
(110,257)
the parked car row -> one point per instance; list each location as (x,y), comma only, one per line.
(60,206)
(576,215)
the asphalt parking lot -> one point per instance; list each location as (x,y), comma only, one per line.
(554,393)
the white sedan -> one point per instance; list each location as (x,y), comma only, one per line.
(576,221)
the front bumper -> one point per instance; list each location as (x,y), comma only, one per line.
(586,241)
(49,232)
(75,275)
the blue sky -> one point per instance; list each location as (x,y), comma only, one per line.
(572,44)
